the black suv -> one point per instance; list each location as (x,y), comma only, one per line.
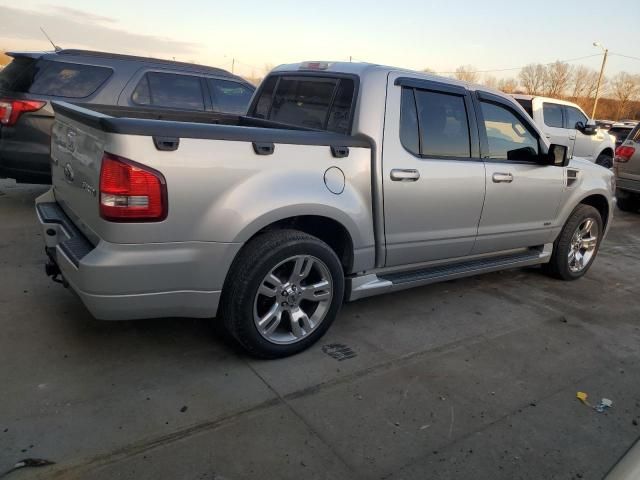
(32,80)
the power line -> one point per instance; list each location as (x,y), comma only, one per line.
(625,56)
(520,68)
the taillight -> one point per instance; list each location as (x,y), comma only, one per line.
(10,110)
(130,192)
(624,153)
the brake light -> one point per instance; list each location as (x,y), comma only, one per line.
(130,192)
(624,153)
(10,110)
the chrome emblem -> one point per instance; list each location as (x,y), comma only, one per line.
(89,189)
(68,173)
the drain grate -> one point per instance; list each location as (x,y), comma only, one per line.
(339,351)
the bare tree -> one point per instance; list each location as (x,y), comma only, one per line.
(467,73)
(508,85)
(625,88)
(428,70)
(533,78)
(557,79)
(583,82)
(490,81)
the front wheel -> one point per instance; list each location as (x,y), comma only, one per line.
(282,294)
(605,160)
(577,245)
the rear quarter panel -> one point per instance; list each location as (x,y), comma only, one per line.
(221,191)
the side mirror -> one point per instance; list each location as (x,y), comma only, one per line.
(557,155)
(589,129)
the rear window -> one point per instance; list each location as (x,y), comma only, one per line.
(12,72)
(619,133)
(320,103)
(552,113)
(229,96)
(58,79)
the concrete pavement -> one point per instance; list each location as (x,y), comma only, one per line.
(474,378)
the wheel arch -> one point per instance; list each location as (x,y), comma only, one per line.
(607,151)
(331,231)
(600,203)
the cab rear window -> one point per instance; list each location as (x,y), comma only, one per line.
(58,79)
(319,103)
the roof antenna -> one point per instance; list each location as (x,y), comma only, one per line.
(55,47)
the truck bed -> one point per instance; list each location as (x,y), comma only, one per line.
(206,125)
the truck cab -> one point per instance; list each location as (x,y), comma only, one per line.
(565,123)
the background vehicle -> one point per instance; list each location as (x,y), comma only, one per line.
(627,169)
(620,131)
(34,79)
(566,124)
(344,181)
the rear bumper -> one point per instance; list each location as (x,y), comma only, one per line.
(628,184)
(131,281)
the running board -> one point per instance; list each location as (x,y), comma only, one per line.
(372,284)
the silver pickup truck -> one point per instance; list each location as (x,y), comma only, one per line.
(343,181)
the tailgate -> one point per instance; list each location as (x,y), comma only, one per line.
(76,156)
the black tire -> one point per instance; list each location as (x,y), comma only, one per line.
(605,160)
(558,266)
(627,202)
(253,263)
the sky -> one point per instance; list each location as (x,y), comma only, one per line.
(416,34)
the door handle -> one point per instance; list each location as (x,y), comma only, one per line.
(404,175)
(502,178)
(572,138)
(547,135)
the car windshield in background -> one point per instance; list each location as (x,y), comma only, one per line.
(620,133)
(317,103)
(60,79)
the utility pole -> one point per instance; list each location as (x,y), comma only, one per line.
(604,62)
(233,66)
(350,58)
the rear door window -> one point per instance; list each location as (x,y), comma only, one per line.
(552,113)
(169,90)
(58,79)
(229,96)
(434,124)
(320,103)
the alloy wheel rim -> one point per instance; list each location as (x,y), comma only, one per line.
(293,299)
(583,245)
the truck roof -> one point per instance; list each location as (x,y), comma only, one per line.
(363,68)
(108,56)
(520,96)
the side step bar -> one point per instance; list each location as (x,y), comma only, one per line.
(373,284)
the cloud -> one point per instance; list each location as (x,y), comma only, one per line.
(81,14)
(71,28)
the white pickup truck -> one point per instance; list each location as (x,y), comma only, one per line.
(343,181)
(565,123)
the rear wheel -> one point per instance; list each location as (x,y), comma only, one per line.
(577,245)
(282,293)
